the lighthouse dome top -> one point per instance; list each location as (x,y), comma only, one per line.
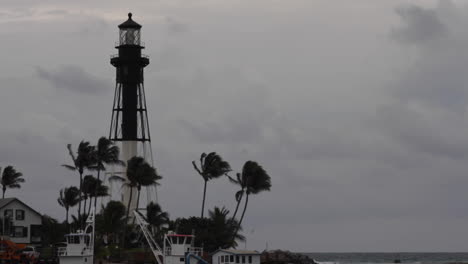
(130,23)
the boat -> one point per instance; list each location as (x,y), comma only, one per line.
(176,249)
(79,247)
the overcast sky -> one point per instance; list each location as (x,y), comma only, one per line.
(357,110)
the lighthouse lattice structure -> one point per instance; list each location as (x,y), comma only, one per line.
(129,124)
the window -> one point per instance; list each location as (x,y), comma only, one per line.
(182,259)
(73,240)
(231,258)
(237,259)
(20,231)
(243,259)
(250,259)
(8,213)
(222,259)
(19,214)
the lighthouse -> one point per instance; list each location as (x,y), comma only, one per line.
(129,127)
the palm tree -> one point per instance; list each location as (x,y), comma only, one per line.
(223,230)
(106,153)
(68,198)
(256,180)
(11,179)
(156,217)
(139,173)
(99,190)
(241,180)
(85,159)
(212,166)
(89,184)
(111,220)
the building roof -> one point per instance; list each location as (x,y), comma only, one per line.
(130,23)
(238,252)
(6,201)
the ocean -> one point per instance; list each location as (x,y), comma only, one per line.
(405,258)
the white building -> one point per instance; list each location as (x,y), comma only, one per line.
(231,256)
(23,225)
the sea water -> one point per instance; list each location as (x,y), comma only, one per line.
(405,258)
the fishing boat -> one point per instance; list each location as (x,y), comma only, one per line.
(79,247)
(176,249)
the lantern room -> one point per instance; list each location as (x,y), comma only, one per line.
(130,32)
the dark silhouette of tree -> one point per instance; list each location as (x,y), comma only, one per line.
(69,197)
(223,229)
(11,179)
(89,185)
(99,191)
(212,166)
(109,223)
(85,159)
(256,180)
(139,173)
(241,181)
(156,218)
(106,154)
(213,232)
(51,231)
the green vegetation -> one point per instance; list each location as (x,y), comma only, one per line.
(11,179)
(220,229)
(69,197)
(212,166)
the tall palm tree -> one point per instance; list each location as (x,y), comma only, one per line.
(139,173)
(256,180)
(89,183)
(85,159)
(11,179)
(156,217)
(68,198)
(241,180)
(100,190)
(212,166)
(111,220)
(106,153)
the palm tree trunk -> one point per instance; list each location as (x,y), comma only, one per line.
(66,218)
(79,197)
(242,217)
(138,201)
(89,206)
(84,206)
(237,208)
(4,190)
(95,191)
(203,202)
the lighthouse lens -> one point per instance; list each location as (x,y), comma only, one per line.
(129,36)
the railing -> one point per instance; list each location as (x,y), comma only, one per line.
(193,250)
(141,44)
(117,55)
(63,251)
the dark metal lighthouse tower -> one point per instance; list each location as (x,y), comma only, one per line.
(129,124)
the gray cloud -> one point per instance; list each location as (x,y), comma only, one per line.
(73,78)
(176,27)
(420,25)
(364,137)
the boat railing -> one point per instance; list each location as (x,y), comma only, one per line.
(64,251)
(193,250)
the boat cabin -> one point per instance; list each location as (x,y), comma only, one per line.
(177,246)
(77,244)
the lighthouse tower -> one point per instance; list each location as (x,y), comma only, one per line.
(129,127)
